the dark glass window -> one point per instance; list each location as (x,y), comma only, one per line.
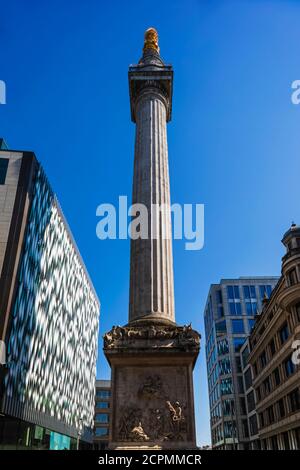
(284,333)
(270,413)
(265,290)
(251,323)
(286,441)
(272,347)
(261,420)
(245,355)
(102,404)
(253,425)
(219,296)
(226,386)
(228,407)
(263,359)
(237,326)
(240,384)
(237,343)
(274,443)
(292,276)
(267,385)
(3,169)
(297,308)
(289,367)
(222,346)
(258,394)
(103,393)
(248,378)
(281,408)
(220,311)
(102,418)
(250,401)
(276,376)
(243,406)
(101,431)
(221,328)
(294,400)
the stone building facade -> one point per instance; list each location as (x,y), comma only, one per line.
(273,355)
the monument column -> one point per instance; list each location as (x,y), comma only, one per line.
(152,358)
(151,265)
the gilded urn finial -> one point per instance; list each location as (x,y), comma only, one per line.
(151,40)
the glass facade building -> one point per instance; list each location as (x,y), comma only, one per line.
(229,317)
(50,318)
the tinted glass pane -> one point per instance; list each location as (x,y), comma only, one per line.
(237,326)
(3,169)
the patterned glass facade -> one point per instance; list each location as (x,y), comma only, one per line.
(52,348)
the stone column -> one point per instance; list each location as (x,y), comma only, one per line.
(151,263)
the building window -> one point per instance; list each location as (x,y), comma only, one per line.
(221,328)
(294,400)
(220,311)
(274,443)
(235,308)
(277,376)
(226,386)
(253,425)
(258,394)
(297,309)
(272,347)
(286,441)
(289,367)
(284,333)
(103,393)
(249,292)
(265,290)
(3,169)
(261,420)
(251,323)
(223,347)
(245,355)
(297,437)
(101,432)
(102,418)
(228,407)
(238,343)
(243,406)
(281,409)
(240,384)
(292,277)
(267,385)
(224,366)
(270,413)
(237,326)
(251,308)
(219,296)
(248,378)
(250,401)
(102,404)
(233,292)
(263,359)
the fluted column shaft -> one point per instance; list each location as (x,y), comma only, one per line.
(151,263)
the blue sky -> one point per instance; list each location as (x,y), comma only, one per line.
(233,140)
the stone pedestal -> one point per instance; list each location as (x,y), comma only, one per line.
(152,386)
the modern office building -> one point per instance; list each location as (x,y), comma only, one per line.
(102,414)
(274,357)
(49,315)
(229,316)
